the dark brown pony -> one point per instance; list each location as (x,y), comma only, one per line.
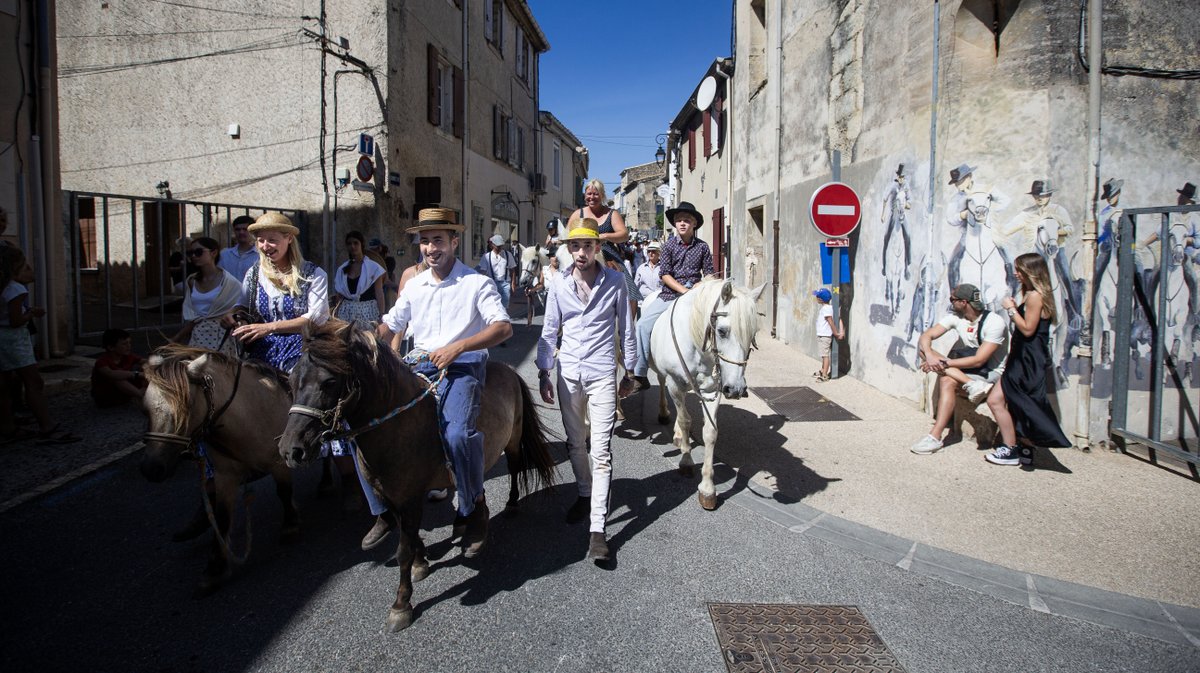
(195,393)
(360,377)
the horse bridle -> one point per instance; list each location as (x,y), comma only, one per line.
(331,419)
(211,416)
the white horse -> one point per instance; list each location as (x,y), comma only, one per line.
(702,344)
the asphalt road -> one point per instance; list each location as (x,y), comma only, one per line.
(94,583)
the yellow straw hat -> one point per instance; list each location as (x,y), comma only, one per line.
(273,222)
(436,218)
(585,229)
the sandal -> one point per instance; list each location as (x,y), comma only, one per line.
(56,436)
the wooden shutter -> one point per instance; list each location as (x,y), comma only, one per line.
(691,143)
(707,125)
(433,100)
(719,125)
(718,237)
(459,96)
(497,131)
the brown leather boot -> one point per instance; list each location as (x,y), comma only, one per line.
(384,523)
(475,535)
(598,547)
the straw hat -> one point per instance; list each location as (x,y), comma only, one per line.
(273,222)
(436,218)
(586,229)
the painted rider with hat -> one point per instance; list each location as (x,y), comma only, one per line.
(686,260)
(454,315)
(589,310)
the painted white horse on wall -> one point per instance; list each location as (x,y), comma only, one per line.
(984,264)
(702,344)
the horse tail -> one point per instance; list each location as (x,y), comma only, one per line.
(533,454)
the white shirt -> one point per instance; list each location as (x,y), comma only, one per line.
(969,335)
(11,292)
(318,295)
(824,329)
(589,330)
(437,314)
(497,265)
(238,263)
(649,283)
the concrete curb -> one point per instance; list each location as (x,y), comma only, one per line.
(1172,623)
(69,477)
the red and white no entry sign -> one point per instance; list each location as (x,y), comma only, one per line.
(365,169)
(835,209)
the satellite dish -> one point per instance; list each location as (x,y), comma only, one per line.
(706,93)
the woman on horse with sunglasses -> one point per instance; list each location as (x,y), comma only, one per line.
(208,294)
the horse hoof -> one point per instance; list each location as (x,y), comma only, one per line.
(398,620)
(707,501)
(686,471)
(420,571)
(663,420)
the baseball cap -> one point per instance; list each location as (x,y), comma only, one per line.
(823,294)
(969,293)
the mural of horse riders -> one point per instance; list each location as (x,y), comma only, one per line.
(976,258)
(897,243)
(1174,272)
(1104,280)
(1046,226)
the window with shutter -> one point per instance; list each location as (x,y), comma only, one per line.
(520,147)
(433,104)
(707,125)
(497,133)
(718,125)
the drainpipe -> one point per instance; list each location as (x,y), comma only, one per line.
(44,148)
(778,167)
(933,108)
(1084,351)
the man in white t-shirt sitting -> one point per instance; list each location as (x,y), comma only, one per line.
(974,364)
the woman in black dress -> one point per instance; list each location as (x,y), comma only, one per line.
(1019,403)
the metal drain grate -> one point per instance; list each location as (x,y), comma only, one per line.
(758,638)
(800,403)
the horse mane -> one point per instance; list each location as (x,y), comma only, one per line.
(362,356)
(743,315)
(170,375)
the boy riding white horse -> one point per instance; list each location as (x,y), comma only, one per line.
(686,260)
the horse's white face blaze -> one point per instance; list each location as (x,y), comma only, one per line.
(159,458)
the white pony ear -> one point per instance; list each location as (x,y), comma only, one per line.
(756,293)
(726,290)
(196,367)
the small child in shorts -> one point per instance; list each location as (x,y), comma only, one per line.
(826,331)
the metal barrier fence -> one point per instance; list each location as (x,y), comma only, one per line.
(1145,297)
(128,256)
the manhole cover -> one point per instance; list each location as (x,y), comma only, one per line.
(799,639)
(800,403)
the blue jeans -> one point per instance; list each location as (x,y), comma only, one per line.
(459,397)
(645,325)
(505,290)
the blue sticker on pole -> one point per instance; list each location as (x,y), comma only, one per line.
(827,265)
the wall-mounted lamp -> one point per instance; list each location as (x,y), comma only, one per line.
(164,189)
(660,155)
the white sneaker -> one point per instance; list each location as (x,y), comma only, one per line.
(926,445)
(977,391)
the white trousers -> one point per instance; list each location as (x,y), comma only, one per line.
(582,401)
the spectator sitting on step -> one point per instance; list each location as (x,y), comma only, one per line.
(117,374)
(974,364)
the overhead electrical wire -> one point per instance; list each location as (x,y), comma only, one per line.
(185,5)
(1125,70)
(278,42)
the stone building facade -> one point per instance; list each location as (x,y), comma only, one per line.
(564,170)
(698,143)
(638,196)
(227,106)
(1011,108)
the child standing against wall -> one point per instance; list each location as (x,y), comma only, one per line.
(16,349)
(826,331)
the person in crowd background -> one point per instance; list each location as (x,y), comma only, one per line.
(358,284)
(117,374)
(208,294)
(241,254)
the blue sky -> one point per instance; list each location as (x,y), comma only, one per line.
(618,72)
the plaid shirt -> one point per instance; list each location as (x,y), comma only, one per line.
(687,264)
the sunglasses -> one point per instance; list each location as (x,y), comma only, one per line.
(196,252)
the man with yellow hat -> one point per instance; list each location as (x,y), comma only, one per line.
(454,315)
(589,311)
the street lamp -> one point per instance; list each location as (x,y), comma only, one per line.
(660,155)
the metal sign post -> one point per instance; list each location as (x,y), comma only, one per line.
(835,211)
